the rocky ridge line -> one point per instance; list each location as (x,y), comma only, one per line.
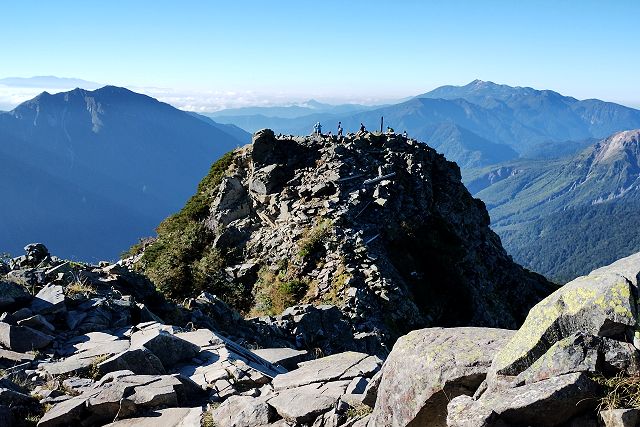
(379,225)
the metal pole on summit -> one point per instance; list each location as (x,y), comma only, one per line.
(381,123)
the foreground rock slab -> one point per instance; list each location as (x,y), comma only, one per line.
(122,394)
(170,417)
(601,303)
(427,368)
(546,403)
(342,366)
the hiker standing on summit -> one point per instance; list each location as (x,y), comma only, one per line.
(339,129)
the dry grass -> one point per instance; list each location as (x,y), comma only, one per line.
(80,286)
(621,392)
(207,418)
(94,369)
(358,411)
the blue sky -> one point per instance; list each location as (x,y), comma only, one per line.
(360,50)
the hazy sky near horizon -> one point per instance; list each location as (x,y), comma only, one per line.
(211,54)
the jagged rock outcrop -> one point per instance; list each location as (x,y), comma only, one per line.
(379,225)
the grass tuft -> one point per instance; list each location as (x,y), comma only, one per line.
(358,411)
(80,286)
(312,239)
(620,392)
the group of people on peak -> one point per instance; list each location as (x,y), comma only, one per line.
(317,130)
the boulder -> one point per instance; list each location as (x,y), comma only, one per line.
(38,322)
(549,402)
(22,338)
(341,366)
(11,397)
(50,299)
(122,395)
(139,361)
(301,408)
(86,355)
(201,337)
(170,417)
(66,413)
(582,353)
(428,367)
(167,347)
(322,326)
(284,356)
(15,356)
(11,293)
(602,303)
(36,253)
(243,411)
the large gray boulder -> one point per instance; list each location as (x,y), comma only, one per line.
(11,293)
(83,351)
(22,338)
(602,303)
(583,353)
(170,417)
(139,361)
(244,411)
(302,408)
(50,299)
(427,368)
(545,403)
(167,347)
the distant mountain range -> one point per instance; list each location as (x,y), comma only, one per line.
(478,124)
(565,216)
(115,163)
(89,172)
(290,112)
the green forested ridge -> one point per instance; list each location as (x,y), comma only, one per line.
(571,243)
(565,217)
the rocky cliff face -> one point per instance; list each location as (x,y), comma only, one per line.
(378,225)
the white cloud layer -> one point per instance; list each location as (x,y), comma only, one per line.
(191,100)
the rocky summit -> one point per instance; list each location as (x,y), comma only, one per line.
(377,225)
(318,282)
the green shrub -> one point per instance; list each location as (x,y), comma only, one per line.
(292,291)
(275,291)
(181,262)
